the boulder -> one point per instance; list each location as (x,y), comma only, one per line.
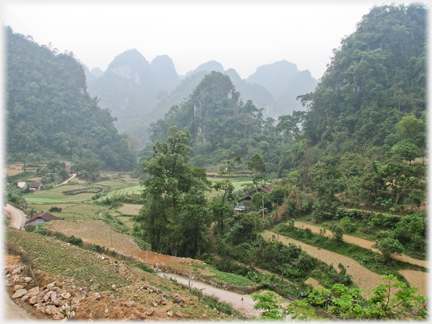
(18,287)
(33,292)
(19,293)
(28,279)
(178,298)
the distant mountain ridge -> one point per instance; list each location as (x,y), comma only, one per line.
(138,93)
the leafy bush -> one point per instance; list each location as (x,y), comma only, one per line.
(75,240)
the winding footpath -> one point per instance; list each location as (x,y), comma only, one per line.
(243,303)
(17,216)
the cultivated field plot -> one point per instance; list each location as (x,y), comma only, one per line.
(82,209)
(127,220)
(70,217)
(417,279)
(134,191)
(17,168)
(96,232)
(118,183)
(362,243)
(130,209)
(46,207)
(361,276)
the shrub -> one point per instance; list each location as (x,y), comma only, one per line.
(348,225)
(75,240)
(277,194)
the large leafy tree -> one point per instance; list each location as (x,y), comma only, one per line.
(175,203)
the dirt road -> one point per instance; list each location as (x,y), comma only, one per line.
(362,243)
(12,312)
(246,306)
(17,216)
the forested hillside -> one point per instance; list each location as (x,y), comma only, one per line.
(221,125)
(50,113)
(376,77)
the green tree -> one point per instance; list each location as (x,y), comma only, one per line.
(388,247)
(407,150)
(175,201)
(257,164)
(220,207)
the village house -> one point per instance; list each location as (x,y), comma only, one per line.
(41,218)
(36,186)
(22,185)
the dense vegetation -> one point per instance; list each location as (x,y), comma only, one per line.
(357,146)
(50,113)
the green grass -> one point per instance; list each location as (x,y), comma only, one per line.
(222,277)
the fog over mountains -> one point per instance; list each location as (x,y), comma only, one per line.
(138,92)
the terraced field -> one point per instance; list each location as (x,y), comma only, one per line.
(362,243)
(364,278)
(134,191)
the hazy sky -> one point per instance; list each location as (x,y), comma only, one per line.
(237,34)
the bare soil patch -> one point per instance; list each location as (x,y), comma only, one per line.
(130,209)
(417,279)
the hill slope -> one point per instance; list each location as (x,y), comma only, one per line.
(49,111)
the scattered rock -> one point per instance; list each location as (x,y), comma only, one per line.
(25,298)
(68,295)
(170,313)
(154,304)
(149,312)
(129,304)
(19,293)
(181,304)
(178,313)
(18,287)
(178,299)
(33,292)
(50,309)
(34,300)
(51,285)
(16,271)
(28,279)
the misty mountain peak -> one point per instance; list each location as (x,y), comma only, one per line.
(164,69)
(209,66)
(234,76)
(131,64)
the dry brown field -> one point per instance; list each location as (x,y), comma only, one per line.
(417,279)
(130,209)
